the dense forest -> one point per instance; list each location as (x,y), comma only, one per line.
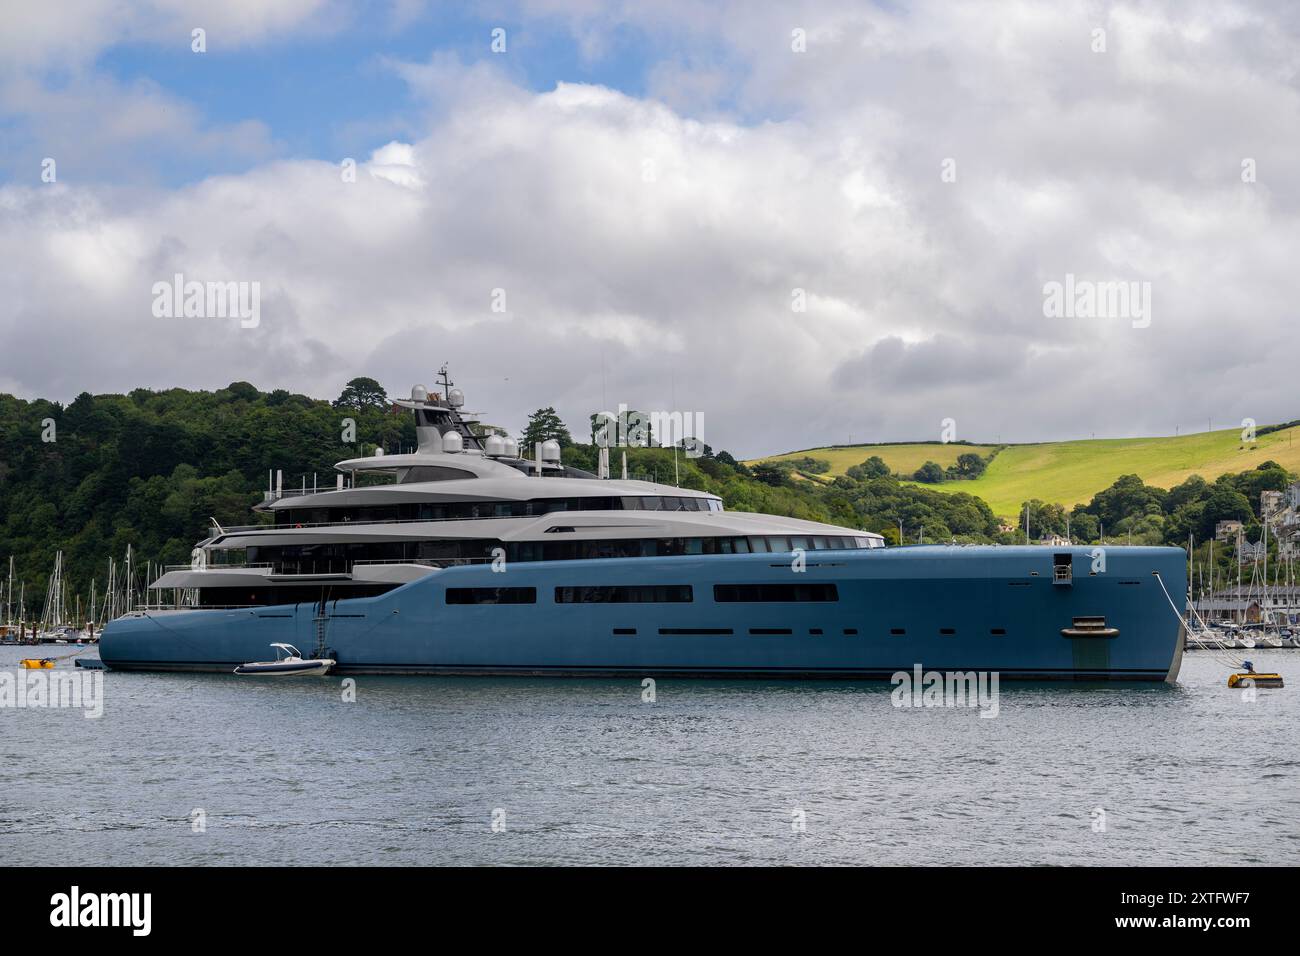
(152,468)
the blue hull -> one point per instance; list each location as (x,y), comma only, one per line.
(947,608)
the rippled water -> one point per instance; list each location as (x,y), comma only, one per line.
(710,773)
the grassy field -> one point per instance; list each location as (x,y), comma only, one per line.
(1071,472)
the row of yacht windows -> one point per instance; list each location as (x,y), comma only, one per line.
(338,557)
(453,510)
(648,594)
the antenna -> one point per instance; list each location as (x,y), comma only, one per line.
(447,383)
(672,384)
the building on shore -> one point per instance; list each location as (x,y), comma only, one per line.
(1228,531)
(1248,605)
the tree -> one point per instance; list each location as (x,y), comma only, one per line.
(1083,526)
(931,473)
(873,467)
(1044,518)
(1223,503)
(1193,489)
(1270,476)
(970,465)
(362,393)
(774,473)
(240,390)
(544,425)
(630,429)
(1129,498)
(813,466)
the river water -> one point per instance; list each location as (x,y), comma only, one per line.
(216,769)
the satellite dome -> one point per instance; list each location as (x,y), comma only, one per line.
(419,393)
(456,398)
(452,442)
(494,447)
(550,450)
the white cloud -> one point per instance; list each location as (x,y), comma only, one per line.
(71,32)
(649,251)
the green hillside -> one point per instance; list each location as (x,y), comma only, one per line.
(1071,472)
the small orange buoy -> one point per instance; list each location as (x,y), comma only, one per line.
(35,663)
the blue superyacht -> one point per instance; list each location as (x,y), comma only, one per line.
(466,557)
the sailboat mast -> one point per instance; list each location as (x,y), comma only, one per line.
(1241,610)
(1264,591)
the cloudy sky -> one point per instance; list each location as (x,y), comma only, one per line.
(811,222)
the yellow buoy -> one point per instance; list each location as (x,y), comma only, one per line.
(1259,680)
(36,663)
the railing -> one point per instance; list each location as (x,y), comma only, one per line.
(426,562)
(281,570)
(342,524)
(545,514)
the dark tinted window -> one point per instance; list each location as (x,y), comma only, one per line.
(491,595)
(732,593)
(625,594)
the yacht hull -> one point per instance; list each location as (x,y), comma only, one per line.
(945,608)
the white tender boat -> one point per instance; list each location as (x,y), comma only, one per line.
(288,662)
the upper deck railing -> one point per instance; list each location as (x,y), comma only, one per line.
(350,524)
(383,521)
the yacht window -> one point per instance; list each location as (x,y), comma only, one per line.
(741,545)
(778,544)
(772,593)
(625,594)
(633,504)
(491,595)
(758,545)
